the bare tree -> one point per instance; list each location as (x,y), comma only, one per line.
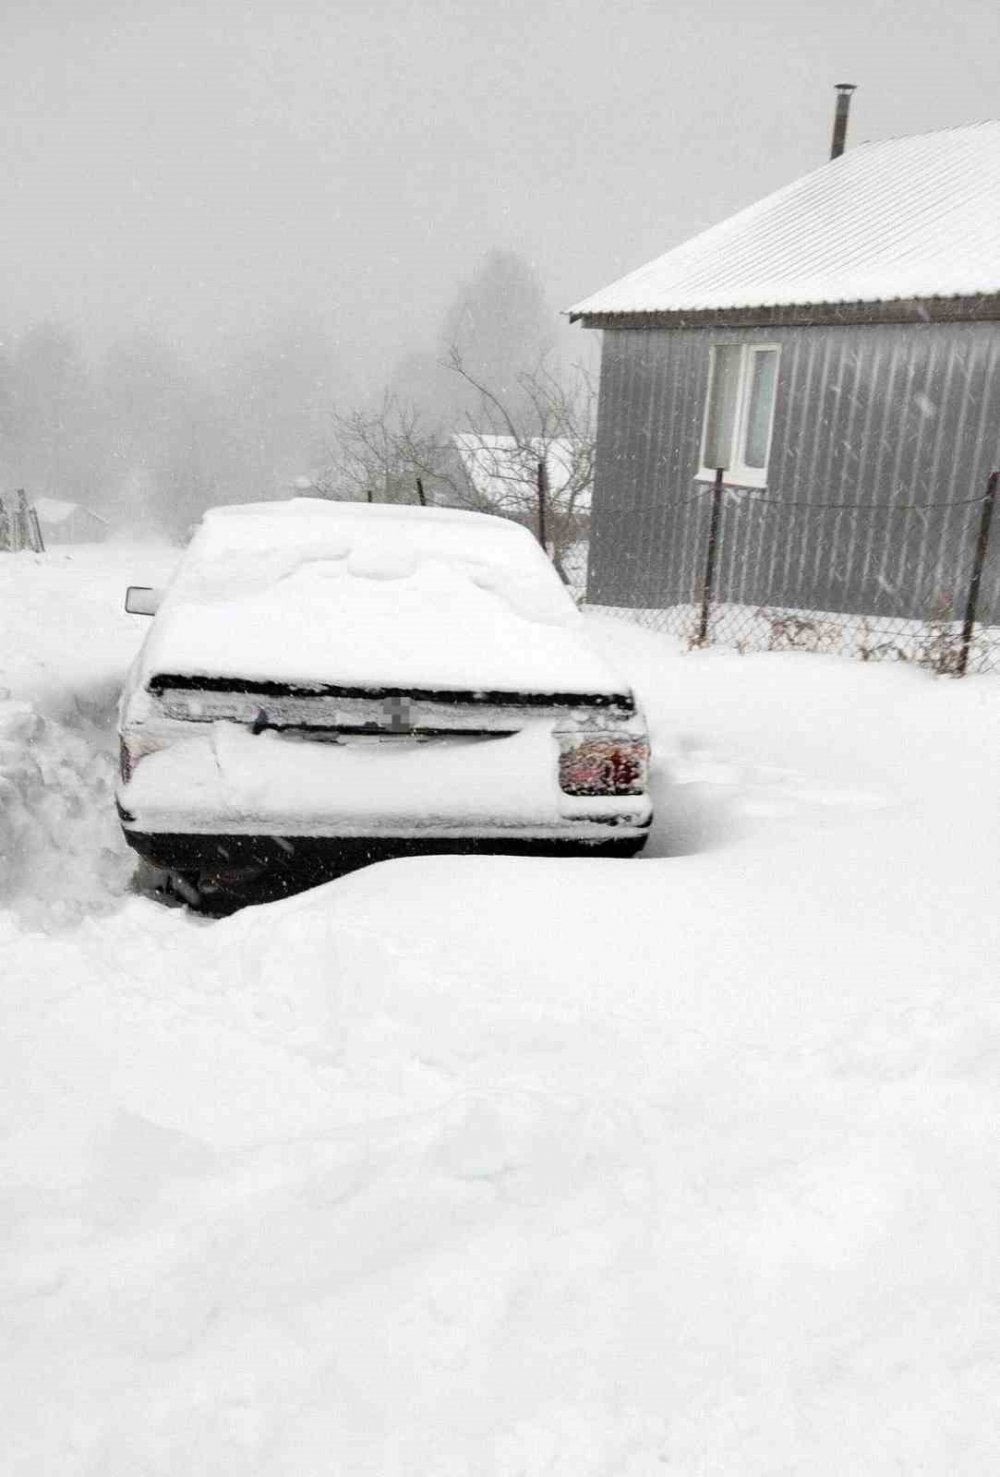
(382,455)
(528,457)
(533,459)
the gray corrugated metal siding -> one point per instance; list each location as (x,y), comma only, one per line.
(881,416)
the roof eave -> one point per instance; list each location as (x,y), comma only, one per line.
(976,308)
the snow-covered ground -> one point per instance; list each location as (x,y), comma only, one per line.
(506,1167)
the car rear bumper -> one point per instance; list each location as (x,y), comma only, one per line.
(226,802)
(275,865)
(188,851)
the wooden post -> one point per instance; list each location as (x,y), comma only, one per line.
(36,530)
(21,537)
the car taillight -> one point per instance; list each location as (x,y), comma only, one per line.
(126,761)
(130,751)
(602,764)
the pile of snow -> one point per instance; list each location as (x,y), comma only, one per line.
(61,851)
(352,595)
(67,643)
(523,1168)
(66,638)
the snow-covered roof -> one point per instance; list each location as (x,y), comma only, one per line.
(373,596)
(498,466)
(915,217)
(53,510)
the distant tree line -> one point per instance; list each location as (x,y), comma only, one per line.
(149,437)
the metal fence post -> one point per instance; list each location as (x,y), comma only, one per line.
(979,559)
(543,497)
(713,540)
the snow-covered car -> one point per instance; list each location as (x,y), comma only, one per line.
(326,684)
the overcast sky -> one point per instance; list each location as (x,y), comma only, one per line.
(201,166)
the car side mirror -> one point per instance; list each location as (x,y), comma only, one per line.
(141,600)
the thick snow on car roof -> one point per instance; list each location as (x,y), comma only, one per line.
(348,594)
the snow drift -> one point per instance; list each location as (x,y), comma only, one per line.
(556,1169)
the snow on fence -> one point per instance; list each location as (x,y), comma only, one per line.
(936,644)
(928,573)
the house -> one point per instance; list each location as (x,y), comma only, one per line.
(502,475)
(503,471)
(68,523)
(835,349)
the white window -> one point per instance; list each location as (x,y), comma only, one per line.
(739,413)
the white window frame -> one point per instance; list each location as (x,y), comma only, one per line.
(738,473)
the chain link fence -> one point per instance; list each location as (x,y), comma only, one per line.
(912,582)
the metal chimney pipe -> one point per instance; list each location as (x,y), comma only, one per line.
(844,93)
